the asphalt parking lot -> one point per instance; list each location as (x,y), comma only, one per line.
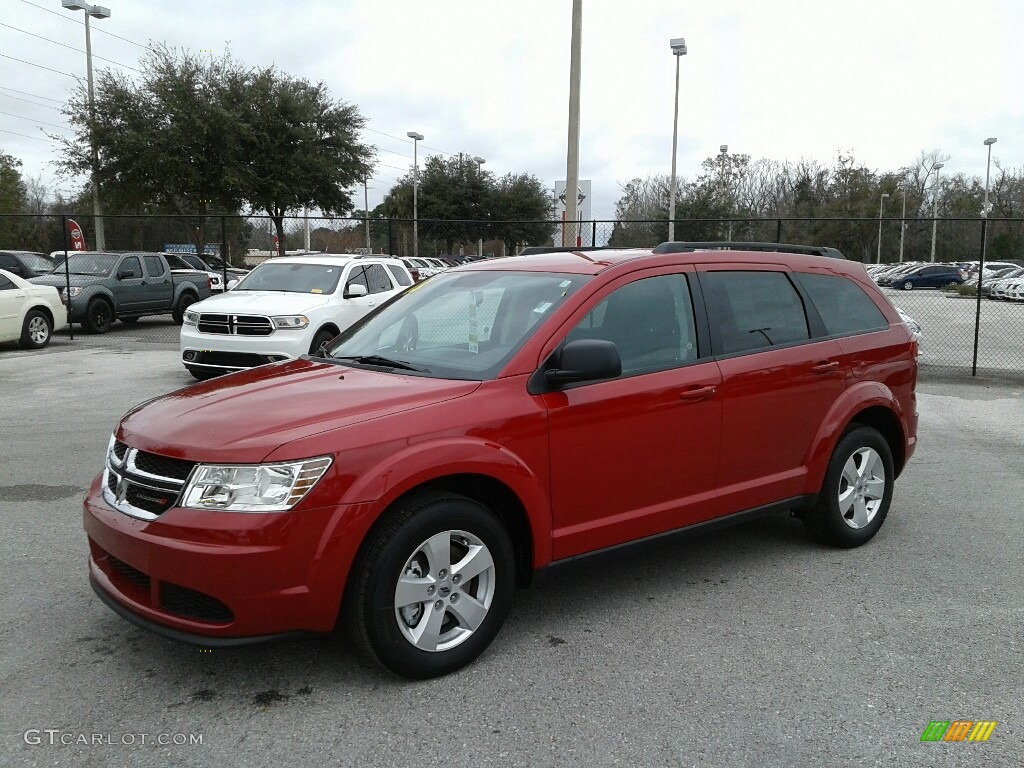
(750,647)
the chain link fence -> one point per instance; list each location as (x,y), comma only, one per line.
(962,333)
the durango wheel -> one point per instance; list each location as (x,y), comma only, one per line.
(36,330)
(321,338)
(855,496)
(431,586)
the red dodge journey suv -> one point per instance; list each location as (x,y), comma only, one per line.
(499,419)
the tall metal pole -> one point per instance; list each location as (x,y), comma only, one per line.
(97,212)
(416,138)
(981,262)
(480,170)
(881,209)
(935,208)
(572,164)
(678,46)
(366,210)
(903,219)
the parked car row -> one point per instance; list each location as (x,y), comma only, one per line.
(910,275)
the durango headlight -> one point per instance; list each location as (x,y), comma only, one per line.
(253,488)
(290,321)
(190,318)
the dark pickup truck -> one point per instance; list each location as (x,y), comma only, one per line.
(124,286)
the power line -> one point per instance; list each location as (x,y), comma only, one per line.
(33,120)
(407,141)
(69,47)
(82,23)
(26,136)
(33,103)
(39,65)
(26,93)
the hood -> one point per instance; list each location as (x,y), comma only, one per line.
(245,416)
(58,280)
(261,303)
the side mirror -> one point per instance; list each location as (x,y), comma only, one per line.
(232,284)
(355,290)
(126,274)
(585,360)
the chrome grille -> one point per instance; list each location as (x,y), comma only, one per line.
(234,325)
(141,484)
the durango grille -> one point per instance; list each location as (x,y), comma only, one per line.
(142,484)
(234,325)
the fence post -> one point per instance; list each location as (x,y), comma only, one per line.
(67,271)
(224,249)
(977,308)
(593,233)
(778,232)
(391,242)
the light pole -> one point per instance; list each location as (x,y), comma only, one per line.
(903,218)
(981,262)
(723,152)
(96,12)
(572,155)
(416,138)
(678,46)
(881,209)
(480,169)
(935,207)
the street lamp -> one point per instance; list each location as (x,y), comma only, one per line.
(881,208)
(96,12)
(416,138)
(678,46)
(988,165)
(480,169)
(723,151)
(935,207)
(903,218)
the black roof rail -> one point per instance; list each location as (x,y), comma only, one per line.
(721,245)
(532,250)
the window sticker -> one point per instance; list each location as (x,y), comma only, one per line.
(316,290)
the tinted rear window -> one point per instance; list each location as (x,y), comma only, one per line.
(753,310)
(842,304)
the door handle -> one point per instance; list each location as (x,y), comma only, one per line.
(698,393)
(828,367)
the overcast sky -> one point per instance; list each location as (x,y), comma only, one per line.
(785,80)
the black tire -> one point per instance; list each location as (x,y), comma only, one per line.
(36,330)
(908,286)
(397,546)
(853,473)
(128,320)
(322,337)
(186,301)
(98,316)
(202,374)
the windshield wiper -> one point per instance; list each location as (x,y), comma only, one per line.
(386,362)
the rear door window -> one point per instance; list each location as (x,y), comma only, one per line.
(842,304)
(753,310)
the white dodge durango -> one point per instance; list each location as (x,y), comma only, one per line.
(285,308)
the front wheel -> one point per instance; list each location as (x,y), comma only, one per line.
(908,286)
(857,491)
(320,340)
(36,330)
(98,316)
(431,585)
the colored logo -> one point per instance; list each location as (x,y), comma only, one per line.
(958,730)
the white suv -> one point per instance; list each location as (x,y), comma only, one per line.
(285,308)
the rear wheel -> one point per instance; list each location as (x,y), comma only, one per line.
(36,330)
(431,585)
(186,301)
(908,286)
(857,491)
(98,316)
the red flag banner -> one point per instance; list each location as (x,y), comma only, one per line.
(75,236)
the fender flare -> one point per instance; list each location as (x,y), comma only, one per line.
(855,399)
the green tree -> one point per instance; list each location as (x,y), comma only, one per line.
(521,211)
(169,143)
(298,147)
(12,198)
